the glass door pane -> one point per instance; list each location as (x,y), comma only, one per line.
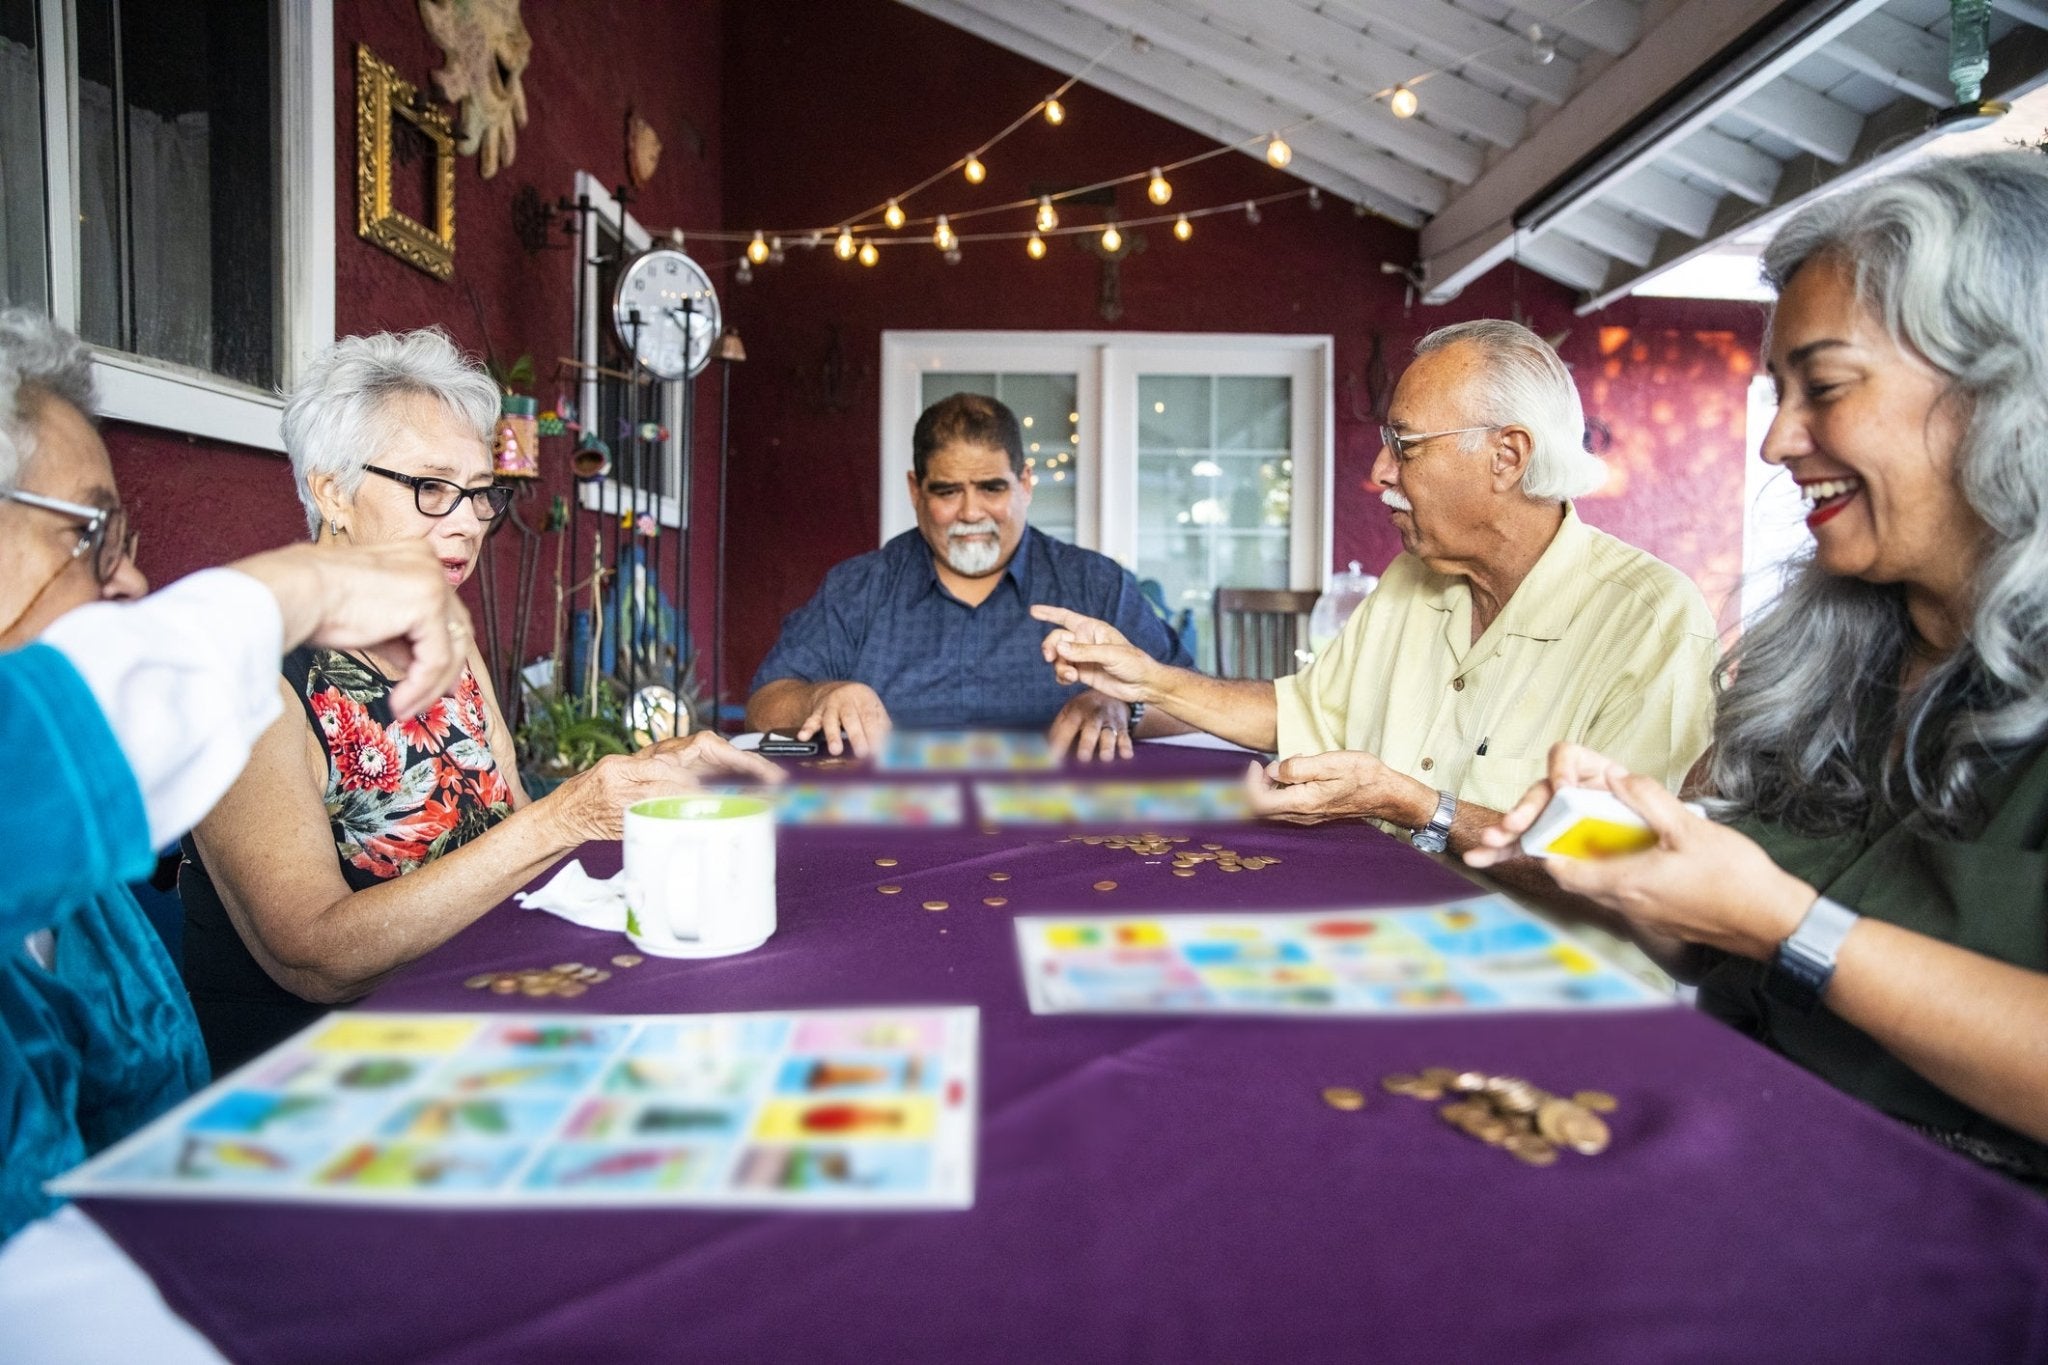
(1215,491)
(23,268)
(1048,410)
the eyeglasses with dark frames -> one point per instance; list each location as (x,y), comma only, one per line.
(104,538)
(1400,443)
(440,498)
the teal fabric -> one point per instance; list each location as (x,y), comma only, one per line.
(103,1040)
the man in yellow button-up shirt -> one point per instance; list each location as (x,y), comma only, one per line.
(1505,625)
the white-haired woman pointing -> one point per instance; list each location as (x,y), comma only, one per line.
(357,840)
(1873,901)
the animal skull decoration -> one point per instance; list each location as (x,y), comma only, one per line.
(487,48)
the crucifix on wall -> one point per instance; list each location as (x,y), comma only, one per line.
(1111,302)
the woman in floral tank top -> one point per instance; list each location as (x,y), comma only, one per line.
(356,840)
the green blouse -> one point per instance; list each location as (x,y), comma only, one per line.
(1987,892)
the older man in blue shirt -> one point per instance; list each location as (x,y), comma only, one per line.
(934,629)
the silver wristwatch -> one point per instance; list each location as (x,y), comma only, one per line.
(1435,836)
(1800,970)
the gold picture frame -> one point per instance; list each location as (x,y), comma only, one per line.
(381,96)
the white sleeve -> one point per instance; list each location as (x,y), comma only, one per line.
(187,679)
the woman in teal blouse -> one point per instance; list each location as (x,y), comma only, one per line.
(1874,899)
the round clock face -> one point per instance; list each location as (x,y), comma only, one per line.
(658,290)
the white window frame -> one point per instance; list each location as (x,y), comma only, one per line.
(1107,366)
(605,495)
(159,393)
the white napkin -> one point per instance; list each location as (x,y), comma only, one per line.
(578,897)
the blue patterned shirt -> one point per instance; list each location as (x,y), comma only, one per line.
(884,619)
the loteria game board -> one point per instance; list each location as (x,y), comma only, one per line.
(1181,801)
(1480,955)
(899,805)
(965,751)
(844,1109)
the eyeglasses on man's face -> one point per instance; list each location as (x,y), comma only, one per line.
(440,498)
(1402,442)
(104,538)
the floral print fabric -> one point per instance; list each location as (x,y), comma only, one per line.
(402,792)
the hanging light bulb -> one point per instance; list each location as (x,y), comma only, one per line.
(942,235)
(1315,198)
(757,250)
(893,215)
(1055,112)
(744,274)
(775,253)
(1112,240)
(974,170)
(845,246)
(1035,247)
(951,255)
(1048,217)
(1251,212)
(1278,153)
(1157,190)
(868,254)
(1182,228)
(1542,50)
(1403,102)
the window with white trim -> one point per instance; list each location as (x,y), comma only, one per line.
(645,476)
(1198,461)
(167,192)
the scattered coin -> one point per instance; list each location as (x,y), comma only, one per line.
(999,876)
(889,890)
(885,862)
(628,960)
(477,983)
(1599,1101)
(1183,872)
(1344,1097)
(935,905)
(1105,886)
(995,900)
(571,989)
(504,985)
(567,967)
(1529,1123)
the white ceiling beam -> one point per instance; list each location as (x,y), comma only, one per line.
(1804,117)
(1735,166)
(1610,25)
(1361,61)
(1445,33)
(1910,60)
(1606,230)
(1564,260)
(2026,11)
(1665,199)
(1339,181)
(1245,107)
(1272,73)
(1459,243)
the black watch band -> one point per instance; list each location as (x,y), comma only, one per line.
(1137,714)
(1800,970)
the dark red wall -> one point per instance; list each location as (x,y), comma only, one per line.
(809,110)
(891,95)
(201,503)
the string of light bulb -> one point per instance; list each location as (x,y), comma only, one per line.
(852,238)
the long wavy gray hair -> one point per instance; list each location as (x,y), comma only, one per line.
(1952,255)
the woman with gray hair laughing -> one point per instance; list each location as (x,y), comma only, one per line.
(1871,895)
(357,839)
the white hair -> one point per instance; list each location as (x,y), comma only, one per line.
(1526,385)
(1952,256)
(38,361)
(343,410)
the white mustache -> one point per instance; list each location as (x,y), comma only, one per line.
(976,528)
(1392,498)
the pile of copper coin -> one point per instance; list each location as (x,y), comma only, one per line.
(565,979)
(1185,861)
(1530,1124)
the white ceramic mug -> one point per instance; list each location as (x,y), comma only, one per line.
(700,875)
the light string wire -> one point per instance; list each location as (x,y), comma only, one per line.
(864,226)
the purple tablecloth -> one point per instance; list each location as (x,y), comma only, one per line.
(1153,1189)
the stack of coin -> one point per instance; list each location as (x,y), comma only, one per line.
(565,979)
(1226,860)
(1528,1123)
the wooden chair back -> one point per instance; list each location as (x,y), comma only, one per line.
(1258,630)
